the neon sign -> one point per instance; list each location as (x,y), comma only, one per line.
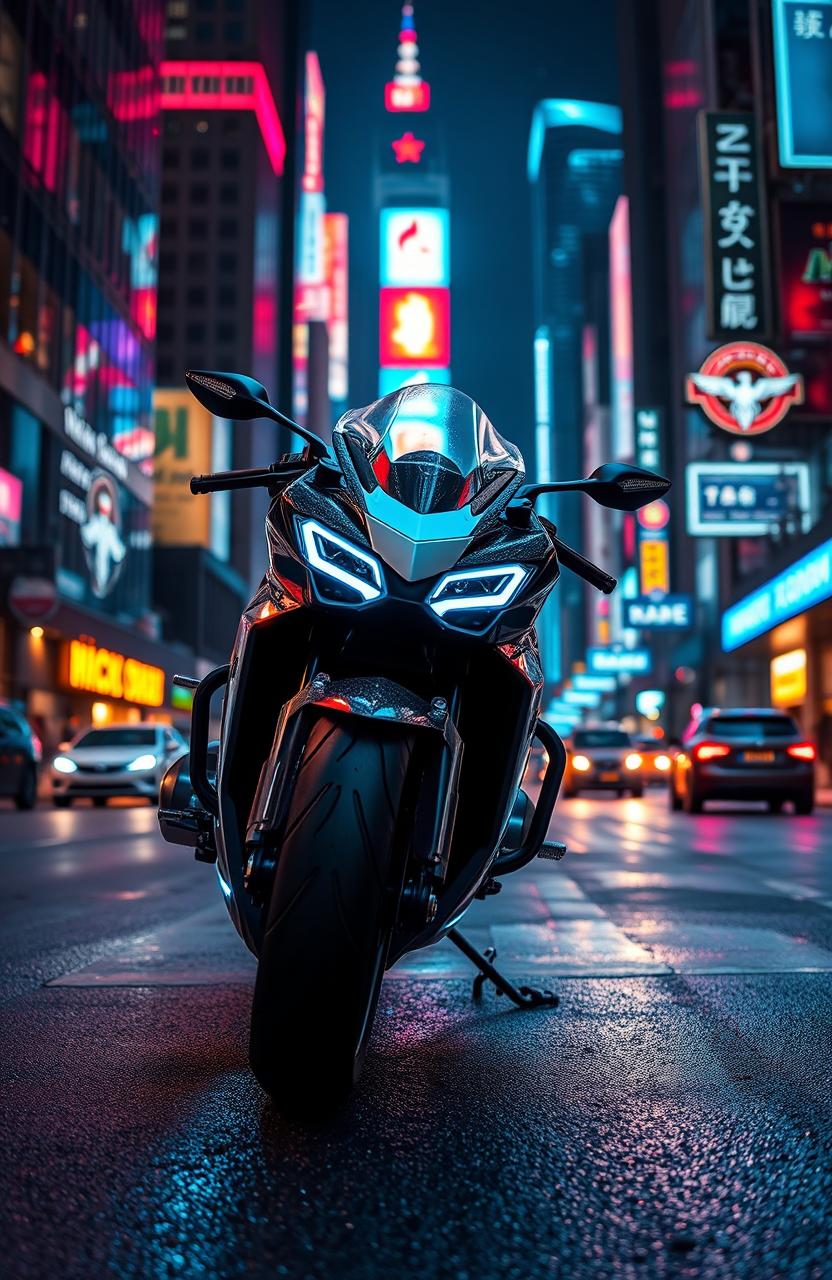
(414,247)
(226,86)
(111,675)
(407,149)
(414,327)
(407,91)
(807,582)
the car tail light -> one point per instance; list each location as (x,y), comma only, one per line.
(802,751)
(710,751)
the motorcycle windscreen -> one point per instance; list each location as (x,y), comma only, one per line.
(432,448)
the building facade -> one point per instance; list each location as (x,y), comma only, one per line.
(728,175)
(79,180)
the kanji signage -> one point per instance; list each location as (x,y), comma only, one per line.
(746,499)
(734,225)
(803,82)
(744,388)
(805,278)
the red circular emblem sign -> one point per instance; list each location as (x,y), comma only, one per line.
(745,388)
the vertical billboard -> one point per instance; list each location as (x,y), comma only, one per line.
(733,200)
(415,247)
(621,329)
(336,252)
(183,449)
(803,82)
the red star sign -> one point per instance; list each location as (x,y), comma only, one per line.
(408,149)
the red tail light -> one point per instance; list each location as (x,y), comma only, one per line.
(710,751)
(802,751)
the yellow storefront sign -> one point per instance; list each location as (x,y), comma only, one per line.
(183,449)
(654,565)
(109,674)
(789,678)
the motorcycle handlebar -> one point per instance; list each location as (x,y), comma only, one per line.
(584,568)
(255,478)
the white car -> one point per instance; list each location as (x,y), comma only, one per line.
(118,760)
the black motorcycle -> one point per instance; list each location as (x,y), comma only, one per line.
(379,709)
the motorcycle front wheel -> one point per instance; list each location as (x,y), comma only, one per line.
(331,915)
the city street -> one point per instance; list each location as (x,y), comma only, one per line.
(670,1117)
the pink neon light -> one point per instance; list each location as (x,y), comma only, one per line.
(258,99)
(407,97)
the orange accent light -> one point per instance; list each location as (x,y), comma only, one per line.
(711,750)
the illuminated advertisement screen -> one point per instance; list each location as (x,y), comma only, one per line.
(803,80)
(806,268)
(621,329)
(415,327)
(415,247)
(396,376)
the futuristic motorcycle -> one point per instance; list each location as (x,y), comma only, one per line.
(379,708)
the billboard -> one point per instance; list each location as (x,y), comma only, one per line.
(733,200)
(803,584)
(414,327)
(183,449)
(805,240)
(746,499)
(415,247)
(618,661)
(803,82)
(665,614)
(621,329)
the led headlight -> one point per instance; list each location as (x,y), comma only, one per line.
(141,763)
(339,559)
(63,764)
(489,588)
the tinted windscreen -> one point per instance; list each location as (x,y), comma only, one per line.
(751,727)
(118,738)
(601,738)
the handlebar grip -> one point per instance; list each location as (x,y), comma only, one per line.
(257,477)
(584,568)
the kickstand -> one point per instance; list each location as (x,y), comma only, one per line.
(524,997)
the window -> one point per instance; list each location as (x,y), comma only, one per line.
(229,159)
(11,60)
(118,738)
(233,31)
(730,727)
(227,228)
(227,261)
(226,296)
(197,261)
(170,158)
(200,158)
(170,191)
(166,296)
(197,228)
(229,192)
(225,332)
(164,370)
(196,296)
(167,261)
(600,738)
(204,32)
(198,193)
(164,333)
(196,332)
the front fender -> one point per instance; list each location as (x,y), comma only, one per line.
(370,698)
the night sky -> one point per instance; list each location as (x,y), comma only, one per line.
(487,64)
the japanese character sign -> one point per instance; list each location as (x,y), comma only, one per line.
(734,225)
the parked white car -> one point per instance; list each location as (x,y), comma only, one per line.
(116,760)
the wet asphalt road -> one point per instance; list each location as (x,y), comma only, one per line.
(670,1118)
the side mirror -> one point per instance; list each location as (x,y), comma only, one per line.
(624,487)
(233,395)
(229,395)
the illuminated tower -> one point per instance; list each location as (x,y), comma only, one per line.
(412,196)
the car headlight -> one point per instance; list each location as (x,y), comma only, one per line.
(663,762)
(63,764)
(633,760)
(340,560)
(147,761)
(581,763)
(489,588)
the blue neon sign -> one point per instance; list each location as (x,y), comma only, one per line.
(803,78)
(805,583)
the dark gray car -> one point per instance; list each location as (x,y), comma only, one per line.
(754,753)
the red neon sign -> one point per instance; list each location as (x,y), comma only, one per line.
(415,327)
(407,97)
(226,86)
(408,149)
(313,126)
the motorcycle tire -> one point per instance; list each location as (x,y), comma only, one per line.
(331,915)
